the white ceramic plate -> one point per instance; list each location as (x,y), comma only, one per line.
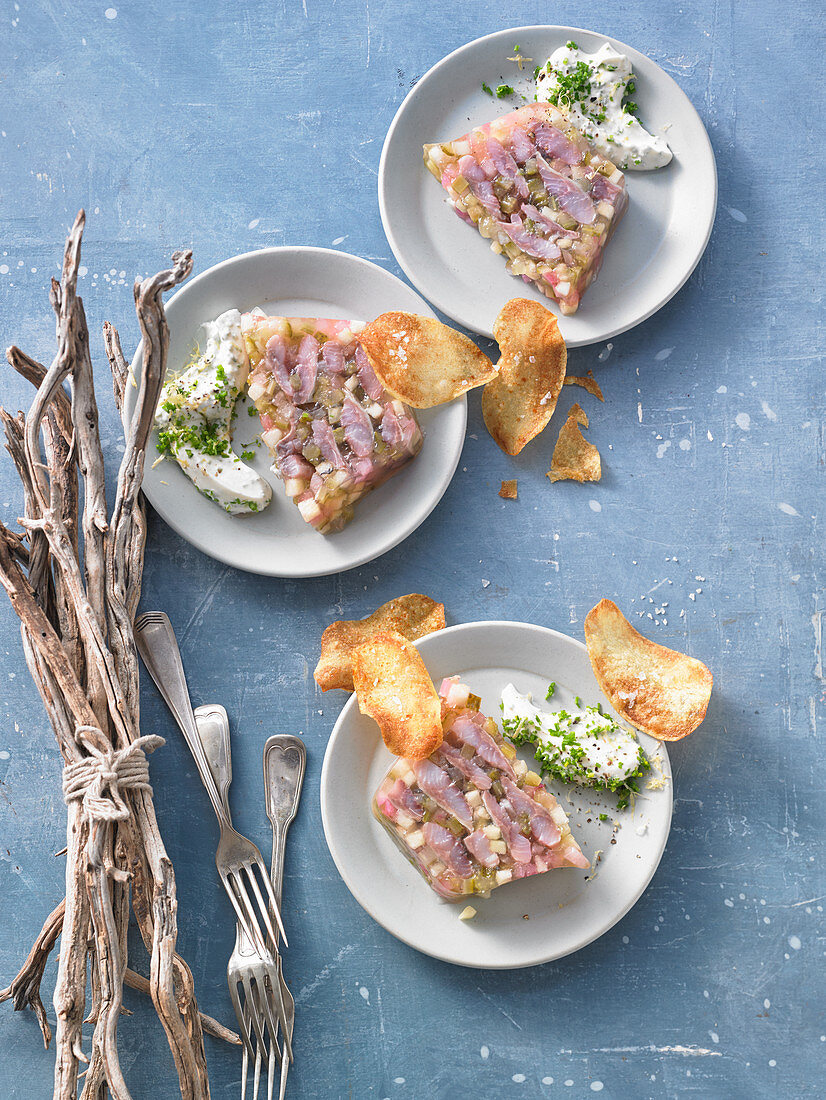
(311,282)
(566,909)
(655,248)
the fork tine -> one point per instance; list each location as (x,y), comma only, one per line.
(251,919)
(285,1069)
(257,1078)
(240,1016)
(276,908)
(255,1013)
(267,998)
(249,868)
(270,1077)
(281,1008)
(242,906)
(245,1065)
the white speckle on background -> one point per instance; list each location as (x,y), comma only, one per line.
(715,1038)
(254,223)
(597,1086)
(794,943)
(485,583)
(710,437)
(736,214)
(625,939)
(518,1078)
(338,240)
(722,389)
(743,422)
(606,351)
(769,414)
(398,1080)
(569,1082)
(787,509)
(547,1080)
(772,1062)
(111,13)
(365,993)
(4,269)
(663,447)
(729,903)
(685,444)
(663,354)
(4,754)
(595,505)
(767,1003)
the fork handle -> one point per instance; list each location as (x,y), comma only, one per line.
(158,647)
(285,760)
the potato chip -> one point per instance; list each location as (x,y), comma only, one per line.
(411,616)
(658,690)
(518,403)
(421,361)
(508,490)
(579,414)
(588,382)
(394,688)
(574,458)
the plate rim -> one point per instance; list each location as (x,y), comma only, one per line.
(227,558)
(508,32)
(326,766)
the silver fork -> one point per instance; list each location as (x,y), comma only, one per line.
(237,858)
(285,761)
(245,965)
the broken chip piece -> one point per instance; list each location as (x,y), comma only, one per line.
(518,403)
(421,361)
(412,616)
(587,381)
(508,490)
(660,691)
(394,688)
(472,817)
(574,458)
(579,414)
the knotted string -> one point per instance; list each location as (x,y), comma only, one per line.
(98,779)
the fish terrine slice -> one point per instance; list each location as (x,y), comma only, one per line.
(334,433)
(471,816)
(538,190)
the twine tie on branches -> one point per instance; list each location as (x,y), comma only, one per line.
(98,780)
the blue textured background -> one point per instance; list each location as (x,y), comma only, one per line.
(226,127)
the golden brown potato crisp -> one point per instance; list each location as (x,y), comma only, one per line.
(421,361)
(508,490)
(574,458)
(518,403)
(411,616)
(588,382)
(394,688)
(658,690)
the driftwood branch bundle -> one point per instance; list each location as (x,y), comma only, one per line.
(74,580)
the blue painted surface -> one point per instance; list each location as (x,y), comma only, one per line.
(261,124)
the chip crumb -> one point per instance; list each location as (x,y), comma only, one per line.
(508,490)
(468,913)
(588,382)
(574,458)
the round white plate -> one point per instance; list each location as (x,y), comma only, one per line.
(656,245)
(566,909)
(308,282)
